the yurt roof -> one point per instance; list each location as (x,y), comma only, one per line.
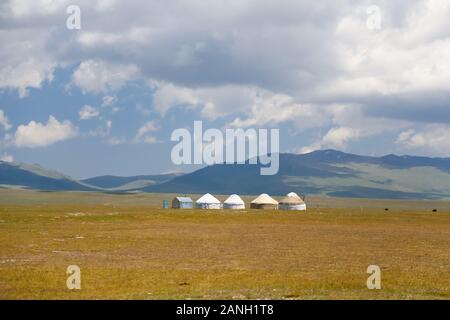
(234,199)
(265,199)
(291,200)
(184,199)
(208,198)
(292,194)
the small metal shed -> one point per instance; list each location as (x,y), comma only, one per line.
(182,203)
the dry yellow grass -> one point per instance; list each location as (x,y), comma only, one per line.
(136,251)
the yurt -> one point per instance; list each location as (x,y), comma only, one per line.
(292,203)
(182,203)
(234,202)
(293,194)
(264,201)
(208,201)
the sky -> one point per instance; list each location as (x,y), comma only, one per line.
(367,77)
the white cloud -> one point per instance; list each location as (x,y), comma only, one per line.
(256,63)
(7,157)
(98,76)
(277,49)
(143,133)
(433,139)
(4,122)
(88,112)
(168,95)
(150,139)
(25,59)
(92,39)
(108,101)
(30,73)
(348,124)
(269,108)
(336,138)
(260,106)
(114,141)
(339,137)
(213,102)
(36,134)
(44,7)
(405,137)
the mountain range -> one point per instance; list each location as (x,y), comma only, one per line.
(325,172)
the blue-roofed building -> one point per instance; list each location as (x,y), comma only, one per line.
(182,203)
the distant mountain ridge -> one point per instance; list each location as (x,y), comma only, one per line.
(326,172)
(33,176)
(129,183)
(391,160)
(36,177)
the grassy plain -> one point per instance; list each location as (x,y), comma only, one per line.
(129,248)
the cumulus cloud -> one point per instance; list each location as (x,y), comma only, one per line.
(268,108)
(4,122)
(26,74)
(300,47)
(36,134)
(213,102)
(273,45)
(167,96)
(433,139)
(336,138)
(25,59)
(143,133)
(99,76)
(256,63)
(259,106)
(349,124)
(88,112)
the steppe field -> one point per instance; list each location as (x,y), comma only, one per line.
(127,247)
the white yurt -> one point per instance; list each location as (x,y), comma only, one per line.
(264,201)
(208,201)
(234,202)
(292,202)
(293,194)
